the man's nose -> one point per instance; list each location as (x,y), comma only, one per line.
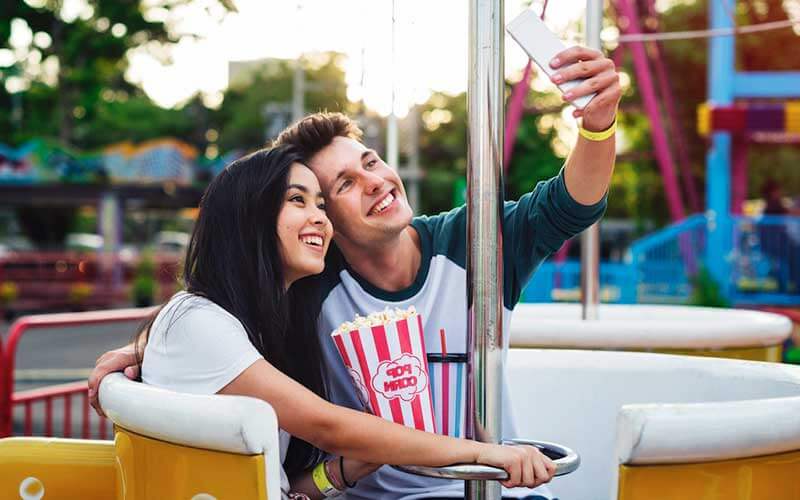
(372,182)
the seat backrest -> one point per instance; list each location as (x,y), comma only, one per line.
(575,398)
(32,468)
(203,444)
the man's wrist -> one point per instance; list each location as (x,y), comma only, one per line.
(597,127)
(598,136)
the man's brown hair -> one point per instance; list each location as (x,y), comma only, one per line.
(314,132)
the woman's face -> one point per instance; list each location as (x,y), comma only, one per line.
(304,231)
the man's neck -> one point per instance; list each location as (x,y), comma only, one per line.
(391,265)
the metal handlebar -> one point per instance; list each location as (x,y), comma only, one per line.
(565,459)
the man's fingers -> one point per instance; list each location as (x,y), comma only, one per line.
(582,69)
(596,84)
(608,96)
(574,54)
(132,372)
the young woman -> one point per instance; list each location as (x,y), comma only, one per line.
(246,325)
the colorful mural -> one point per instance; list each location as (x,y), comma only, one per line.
(153,162)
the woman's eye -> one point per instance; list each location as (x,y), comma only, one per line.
(297,198)
(371,163)
(321,206)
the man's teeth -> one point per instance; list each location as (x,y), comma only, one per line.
(385,203)
(312,240)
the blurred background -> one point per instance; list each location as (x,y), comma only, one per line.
(114,115)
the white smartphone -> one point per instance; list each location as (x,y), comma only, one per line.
(542,45)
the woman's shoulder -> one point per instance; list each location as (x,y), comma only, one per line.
(190,312)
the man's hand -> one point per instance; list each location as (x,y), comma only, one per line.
(122,359)
(600,76)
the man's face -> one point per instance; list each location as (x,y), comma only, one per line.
(365,198)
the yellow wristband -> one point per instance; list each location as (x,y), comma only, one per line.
(321,481)
(599,136)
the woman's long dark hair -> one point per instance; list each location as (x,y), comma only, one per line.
(233,259)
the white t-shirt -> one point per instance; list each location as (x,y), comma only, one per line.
(197,347)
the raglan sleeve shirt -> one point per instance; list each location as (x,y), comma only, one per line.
(534,227)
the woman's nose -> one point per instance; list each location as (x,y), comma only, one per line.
(318,217)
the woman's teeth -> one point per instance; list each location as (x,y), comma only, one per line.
(382,205)
(312,240)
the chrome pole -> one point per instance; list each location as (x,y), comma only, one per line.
(590,238)
(485,94)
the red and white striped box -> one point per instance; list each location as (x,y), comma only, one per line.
(385,356)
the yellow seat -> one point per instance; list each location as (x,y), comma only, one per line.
(166,446)
(170,445)
(34,468)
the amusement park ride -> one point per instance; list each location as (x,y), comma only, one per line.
(646,425)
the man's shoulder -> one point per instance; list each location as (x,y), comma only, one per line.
(444,233)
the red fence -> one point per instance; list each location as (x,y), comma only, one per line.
(44,398)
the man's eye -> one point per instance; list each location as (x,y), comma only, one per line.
(371,163)
(344,185)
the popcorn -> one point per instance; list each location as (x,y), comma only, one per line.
(384,353)
(377,318)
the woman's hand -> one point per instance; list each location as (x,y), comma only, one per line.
(526,465)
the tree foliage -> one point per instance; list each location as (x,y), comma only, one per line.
(68,79)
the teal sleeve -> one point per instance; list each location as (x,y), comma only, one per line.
(536,226)
(533,228)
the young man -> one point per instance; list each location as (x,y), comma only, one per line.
(387,258)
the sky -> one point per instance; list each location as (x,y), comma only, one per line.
(430,51)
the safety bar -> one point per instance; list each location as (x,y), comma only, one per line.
(565,459)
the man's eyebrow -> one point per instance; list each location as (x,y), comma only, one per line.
(343,171)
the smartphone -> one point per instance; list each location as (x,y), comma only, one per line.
(542,45)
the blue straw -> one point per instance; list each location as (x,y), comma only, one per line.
(458,400)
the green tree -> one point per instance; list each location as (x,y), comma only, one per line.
(68,77)
(243,119)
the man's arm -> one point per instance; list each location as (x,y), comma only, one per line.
(590,164)
(119,360)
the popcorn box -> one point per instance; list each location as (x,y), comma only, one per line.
(385,356)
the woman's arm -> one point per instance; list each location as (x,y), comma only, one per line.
(354,434)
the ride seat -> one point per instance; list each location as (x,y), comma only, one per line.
(193,447)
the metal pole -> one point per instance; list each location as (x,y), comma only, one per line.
(392,147)
(484,230)
(590,238)
(299,80)
(298,91)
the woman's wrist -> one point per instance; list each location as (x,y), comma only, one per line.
(478,450)
(332,471)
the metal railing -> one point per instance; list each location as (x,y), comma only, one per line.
(661,267)
(66,394)
(62,394)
